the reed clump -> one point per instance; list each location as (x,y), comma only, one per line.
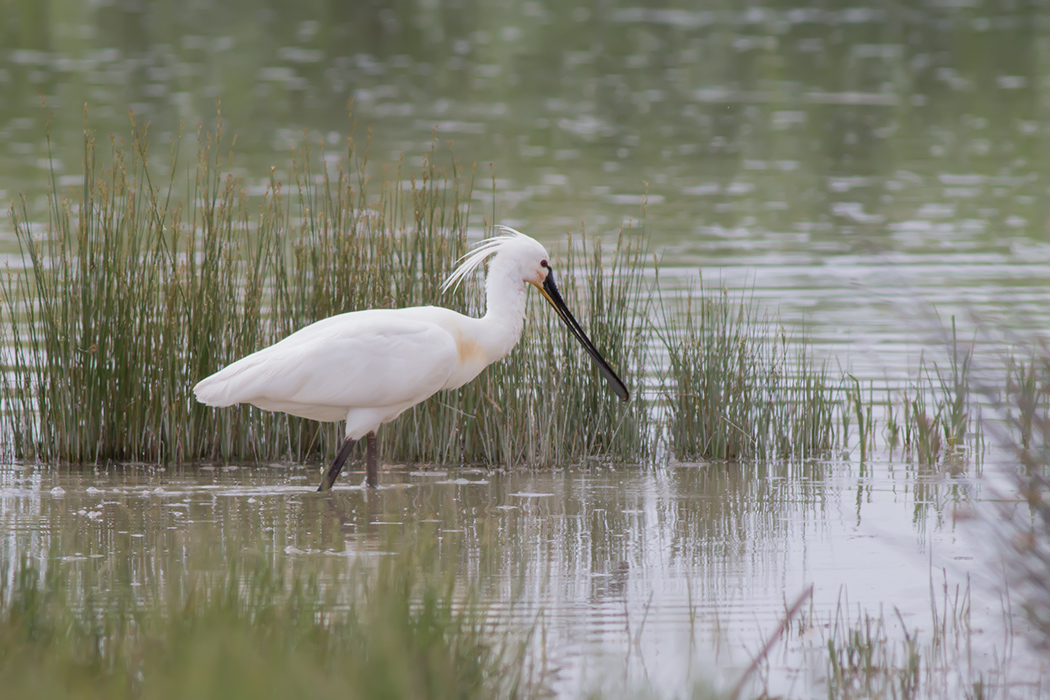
(880,656)
(1019,521)
(937,412)
(739,389)
(129,296)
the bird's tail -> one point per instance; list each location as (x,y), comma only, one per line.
(213,391)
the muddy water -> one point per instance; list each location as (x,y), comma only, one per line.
(650,578)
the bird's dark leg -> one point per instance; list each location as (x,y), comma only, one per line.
(371,460)
(337,465)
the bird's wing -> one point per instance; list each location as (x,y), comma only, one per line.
(361,359)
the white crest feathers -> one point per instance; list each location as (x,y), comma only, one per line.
(481,252)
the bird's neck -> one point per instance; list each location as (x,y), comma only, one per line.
(504,311)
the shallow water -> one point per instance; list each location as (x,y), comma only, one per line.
(848,164)
(653,578)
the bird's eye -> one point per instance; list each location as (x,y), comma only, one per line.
(543,263)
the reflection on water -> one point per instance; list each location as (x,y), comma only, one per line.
(652,576)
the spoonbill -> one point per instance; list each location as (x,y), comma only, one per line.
(368,367)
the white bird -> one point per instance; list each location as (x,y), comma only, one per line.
(368,367)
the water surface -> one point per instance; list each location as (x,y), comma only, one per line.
(650,577)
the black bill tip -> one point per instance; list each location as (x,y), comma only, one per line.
(550,291)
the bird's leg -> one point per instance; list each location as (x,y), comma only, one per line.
(371,460)
(337,465)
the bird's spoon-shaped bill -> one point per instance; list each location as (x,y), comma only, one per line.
(550,292)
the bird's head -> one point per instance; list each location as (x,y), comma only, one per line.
(529,258)
(517,253)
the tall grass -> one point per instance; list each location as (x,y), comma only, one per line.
(739,389)
(129,297)
(131,293)
(255,633)
(1027,396)
(876,656)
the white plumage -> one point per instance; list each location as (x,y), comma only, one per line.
(368,367)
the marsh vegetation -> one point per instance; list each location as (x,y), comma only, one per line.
(262,631)
(837,171)
(133,291)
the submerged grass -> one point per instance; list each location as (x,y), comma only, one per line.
(869,656)
(254,633)
(936,416)
(130,294)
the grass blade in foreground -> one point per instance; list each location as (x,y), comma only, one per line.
(254,634)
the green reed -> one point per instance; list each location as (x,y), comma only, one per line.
(1018,525)
(883,654)
(1028,397)
(259,631)
(937,415)
(739,389)
(863,411)
(130,296)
